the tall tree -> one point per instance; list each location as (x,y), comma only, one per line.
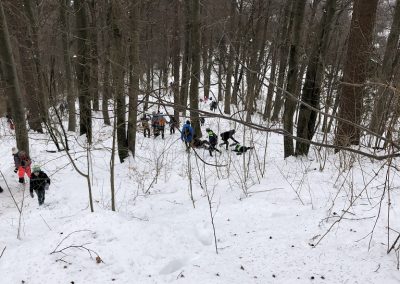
(9,74)
(283,57)
(118,56)
(134,73)
(312,85)
(65,36)
(186,62)
(83,69)
(382,101)
(355,72)
(176,58)
(290,103)
(195,74)
(31,13)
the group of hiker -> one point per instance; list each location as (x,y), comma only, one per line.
(189,137)
(157,121)
(39,181)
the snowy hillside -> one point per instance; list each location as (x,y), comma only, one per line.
(268,218)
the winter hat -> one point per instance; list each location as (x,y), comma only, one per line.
(208,129)
(36,168)
(187,122)
(14,150)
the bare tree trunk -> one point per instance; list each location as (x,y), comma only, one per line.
(380,111)
(34,30)
(283,57)
(65,36)
(176,58)
(134,74)
(83,70)
(271,84)
(290,103)
(312,84)
(186,57)
(195,78)
(94,56)
(10,76)
(118,55)
(355,71)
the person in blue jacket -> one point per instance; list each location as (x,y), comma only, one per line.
(187,134)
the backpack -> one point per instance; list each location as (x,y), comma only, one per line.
(24,159)
(186,132)
(213,139)
(161,121)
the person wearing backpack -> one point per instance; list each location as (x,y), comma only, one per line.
(239,149)
(172,124)
(161,125)
(187,134)
(213,106)
(22,163)
(154,124)
(212,140)
(145,125)
(39,183)
(228,135)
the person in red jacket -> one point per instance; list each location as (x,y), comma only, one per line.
(22,163)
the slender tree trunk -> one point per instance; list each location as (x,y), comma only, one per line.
(65,36)
(118,56)
(133,76)
(94,56)
(271,84)
(186,57)
(283,57)
(9,74)
(83,70)
(34,31)
(290,103)
(195,78)
(380,111)
(176,59)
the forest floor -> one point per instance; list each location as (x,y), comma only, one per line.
(270,214)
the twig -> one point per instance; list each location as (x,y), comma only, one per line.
(45,222)
(2,251)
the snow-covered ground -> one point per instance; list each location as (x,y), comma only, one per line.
(269,215)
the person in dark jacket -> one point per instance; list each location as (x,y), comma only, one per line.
(239,149)
(228,135)
(213,105)
(39,183)
(202,121)
(198,143)
(212,140)
(187,134)
(145,125)
(172,124)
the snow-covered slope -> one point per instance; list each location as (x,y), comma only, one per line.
(268,216)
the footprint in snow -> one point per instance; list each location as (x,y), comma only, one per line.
(204,234)
(174,265)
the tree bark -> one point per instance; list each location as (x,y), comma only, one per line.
(312,84)
(83,70)
(10,76)
(65,37)
(290,103)
(355,71)
(134,74)
(195,74)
